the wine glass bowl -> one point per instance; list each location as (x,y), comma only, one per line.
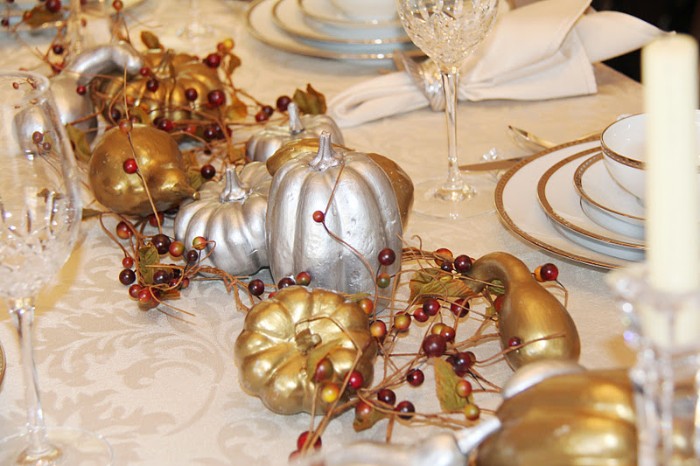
(448,31)
(40,214)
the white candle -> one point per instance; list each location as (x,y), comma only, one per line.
(670,78)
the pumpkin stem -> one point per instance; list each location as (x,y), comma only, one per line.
(326,156)
(295,124)
(306,341)
(234,189)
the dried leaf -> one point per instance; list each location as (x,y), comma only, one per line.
(434,282)
(231,62)
(39,15)
(446,387)
(237,110)
(148,256)
(366,422)
(194,177)
(150,40)
(80,144)
(90,213)
(310,102)
(315,355)
(497,288)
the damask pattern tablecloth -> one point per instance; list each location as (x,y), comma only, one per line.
(165,390)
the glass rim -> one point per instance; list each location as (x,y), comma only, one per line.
(39,83)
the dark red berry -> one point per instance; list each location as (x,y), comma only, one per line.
(127,277)
(460,307)
(256,287)
(152,85)
(81,90)
(303,278)
(386,256)
(127,262)
(58,49)
(434,345)
(356,380)
(162,276)
(217,97)
(54,6)
(213,60)
(192,256)
(161,243)
(145,71)
(318,216)
(268,110)
(463,263)
(115,114)
(462,362)
(209,133)
(191,94)
(134,290)
(549,272)
(431,306)
(304,438)
(415,377)
(208,171)
(406,409)
(166,125)
(285,282)
(514,341)
(283,103)
(420,315)
(130,166)
(386,395)
(261,116)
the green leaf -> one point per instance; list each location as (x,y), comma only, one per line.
(81,147)
(497,288)
(148,256)
(446,387)
(434,282)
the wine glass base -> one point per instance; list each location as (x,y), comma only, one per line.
(70,447)
(476,198)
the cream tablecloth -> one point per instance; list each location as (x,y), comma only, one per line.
(167,392)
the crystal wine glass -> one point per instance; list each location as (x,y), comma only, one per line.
(40,213)
(448,31)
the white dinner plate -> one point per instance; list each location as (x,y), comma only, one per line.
(605,202)
(289,18)
(262,27)
(561,203)
(324,12)
(518,207)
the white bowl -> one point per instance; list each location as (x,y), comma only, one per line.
(367,10)
(623,144)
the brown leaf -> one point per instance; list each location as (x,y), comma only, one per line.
(363,423)
(231,62)
(148,256)
(237,110)
(310,102)
(194,177)
(150,40)
(446,387)
(81,147)
(39,15)
(434,282)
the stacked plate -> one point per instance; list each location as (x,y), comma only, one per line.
(318,28)
(565,201)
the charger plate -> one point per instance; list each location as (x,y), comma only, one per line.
(519,209)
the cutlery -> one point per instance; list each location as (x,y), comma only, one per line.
(501,164)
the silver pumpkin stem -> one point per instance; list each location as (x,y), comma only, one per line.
(326,156)
(234,189)
(295,124)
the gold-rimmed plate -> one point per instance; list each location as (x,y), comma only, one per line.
(605,201)
(324,12)
(261,26)
(519,209)
(560,201)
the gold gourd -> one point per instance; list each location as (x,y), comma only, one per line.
(160,166)
(282,336)
(529,312)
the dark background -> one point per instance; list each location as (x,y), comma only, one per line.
(682,16)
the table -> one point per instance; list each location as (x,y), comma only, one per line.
(167,392)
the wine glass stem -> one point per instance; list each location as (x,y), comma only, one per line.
(22,310)
(454,182)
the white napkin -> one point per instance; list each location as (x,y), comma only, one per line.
(543,50)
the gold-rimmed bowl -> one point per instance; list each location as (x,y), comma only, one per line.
(623,145)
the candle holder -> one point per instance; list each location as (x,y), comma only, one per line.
(666,376)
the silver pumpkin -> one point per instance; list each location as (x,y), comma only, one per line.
(86,66)
(232,215)
(264,144)
(360,210)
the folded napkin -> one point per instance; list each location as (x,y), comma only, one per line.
(543,50)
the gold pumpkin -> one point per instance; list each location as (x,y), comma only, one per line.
(582,418)
(400,181)
(160,165)
(175,73)
(529,312)
(283,334)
